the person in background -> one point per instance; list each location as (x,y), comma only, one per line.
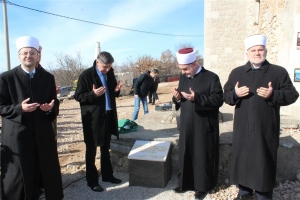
(39,66)
(153,91)
(96,92)
(199,96)
(142,88)
(257,90)
(28,105)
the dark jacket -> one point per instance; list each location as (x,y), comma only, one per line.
(143,85)
(27,138)
(93,107)
(257,124)
(198,150)
(155,84)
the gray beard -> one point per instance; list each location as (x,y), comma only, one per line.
(253,63)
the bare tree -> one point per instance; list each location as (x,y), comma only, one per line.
(145,63)
(67,68)
(168,63)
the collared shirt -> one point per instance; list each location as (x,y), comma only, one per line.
(103,78)
(198,71)
(25,70)
(255,68)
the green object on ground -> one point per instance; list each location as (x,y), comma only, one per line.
(126,126)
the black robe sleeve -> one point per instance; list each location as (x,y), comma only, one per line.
(9,110)
(286,95)
(84,92)
(214,100)
(52,114)
(229,95)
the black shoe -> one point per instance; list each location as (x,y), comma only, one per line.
(112,180)
(244,196)
(150,102)
(199,195)
(96,187)
(178,189)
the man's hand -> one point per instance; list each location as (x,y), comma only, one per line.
(190,97)
(136,96)
(47,107)
(119,86)
(241,91)
(265,92)
(99,91)
(57,89)
(176,94)
(29,107)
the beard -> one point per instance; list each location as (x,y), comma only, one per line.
(258,62)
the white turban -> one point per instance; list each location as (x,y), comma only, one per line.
(255,40)
(186,56)
(27,41)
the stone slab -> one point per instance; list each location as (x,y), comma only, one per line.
(152,174)
(150,150)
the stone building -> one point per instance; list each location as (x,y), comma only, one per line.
(228,22)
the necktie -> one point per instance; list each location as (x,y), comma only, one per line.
(108,103)
(31,74)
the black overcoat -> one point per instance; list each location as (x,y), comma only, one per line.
(28,138)
(198,152)
(256,124)
(93,107)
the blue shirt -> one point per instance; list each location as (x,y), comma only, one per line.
(103,78)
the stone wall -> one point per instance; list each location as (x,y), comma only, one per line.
(224,33)
(228,22)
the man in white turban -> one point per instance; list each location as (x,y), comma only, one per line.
(28,105)
(199,96)
(257,90)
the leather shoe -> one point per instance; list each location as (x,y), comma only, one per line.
(199,195)
(112,180)
(96,188)
(178,189)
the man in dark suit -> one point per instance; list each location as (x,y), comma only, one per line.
(96,91)
(28,105)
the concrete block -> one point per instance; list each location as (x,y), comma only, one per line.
(151,174)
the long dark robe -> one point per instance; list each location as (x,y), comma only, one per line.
(256,124)
(198,153)
(27,138)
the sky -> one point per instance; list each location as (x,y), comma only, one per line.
(62,35)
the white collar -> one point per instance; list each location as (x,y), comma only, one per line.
(25,70)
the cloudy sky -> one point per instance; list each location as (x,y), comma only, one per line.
(62,35)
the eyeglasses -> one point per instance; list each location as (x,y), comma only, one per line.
(30,53)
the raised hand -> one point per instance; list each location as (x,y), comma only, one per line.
(241,91)
(99,91)
(119,86)
(29,107)
(265,92)
(57,89)
(176,94)
(191,96)
(47,106)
